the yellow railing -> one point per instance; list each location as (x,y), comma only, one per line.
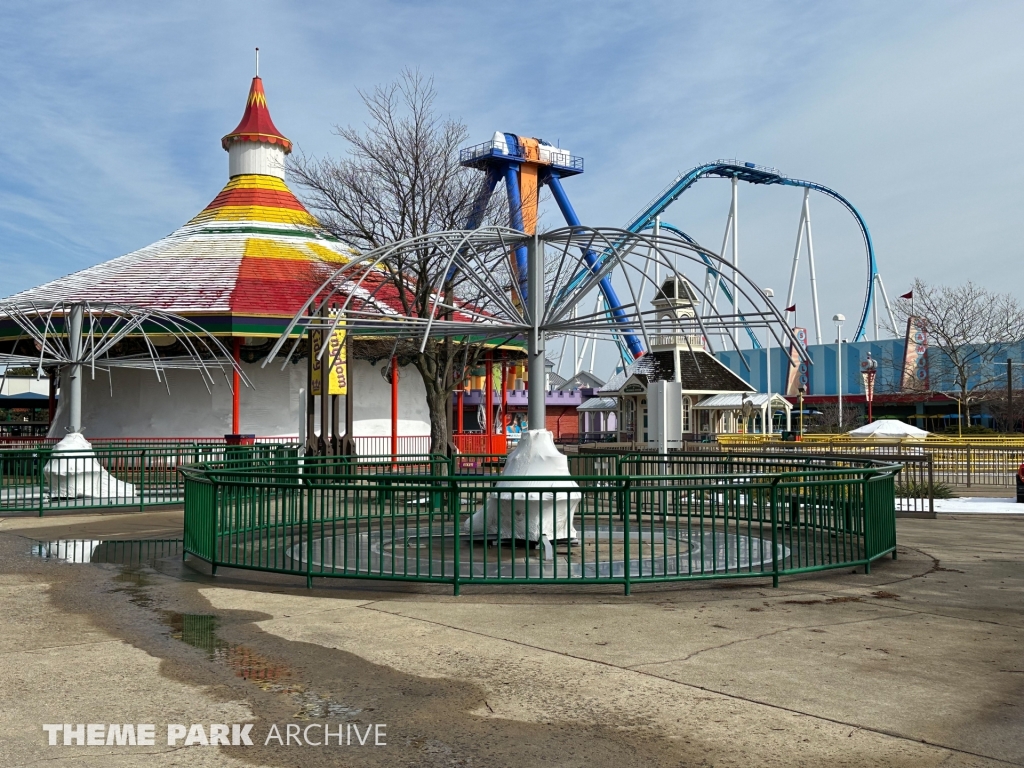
(984,441)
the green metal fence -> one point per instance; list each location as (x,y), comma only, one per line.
(41,480)
(635,519)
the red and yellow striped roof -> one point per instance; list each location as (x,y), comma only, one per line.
(256,124)
(243,266)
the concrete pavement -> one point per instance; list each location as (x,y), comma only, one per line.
(920,663)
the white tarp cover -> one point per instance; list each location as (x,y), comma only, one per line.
(889,428)
(73,473)
(530,515)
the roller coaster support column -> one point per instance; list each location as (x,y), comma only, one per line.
(735,258)
(537,391)
(636,347)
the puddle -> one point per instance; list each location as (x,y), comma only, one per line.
(200,631)
(135,552)
(136,557)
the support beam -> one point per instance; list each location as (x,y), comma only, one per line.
(489,402)
(796,258)
(735,258)
(394,409)
(504,398)
(810,264)
(75,377)
(236,387)
(535,345)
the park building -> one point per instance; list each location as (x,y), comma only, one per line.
(698,396)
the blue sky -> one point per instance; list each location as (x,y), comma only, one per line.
(112,114)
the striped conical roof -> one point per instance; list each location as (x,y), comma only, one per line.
(256,124)
(243,266)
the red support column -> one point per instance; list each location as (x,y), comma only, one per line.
(504,405)
(459,428)
(236,388)
(394,409)
(489,403)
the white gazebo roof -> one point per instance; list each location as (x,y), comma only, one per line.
(888,428)
(733,401)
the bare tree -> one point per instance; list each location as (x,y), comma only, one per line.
(401,178)
(969,328)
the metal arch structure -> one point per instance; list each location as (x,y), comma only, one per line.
(752,173)
(78,335)
(472,291)
(713,273)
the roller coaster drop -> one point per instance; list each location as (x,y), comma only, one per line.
(526,164)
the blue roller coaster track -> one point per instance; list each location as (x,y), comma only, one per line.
(757,174)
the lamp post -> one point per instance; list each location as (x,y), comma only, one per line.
(800,394)
(839,320)
(870,368)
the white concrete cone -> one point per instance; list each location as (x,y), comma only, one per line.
(530,515)
(73,473)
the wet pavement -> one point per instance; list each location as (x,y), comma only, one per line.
(918,663)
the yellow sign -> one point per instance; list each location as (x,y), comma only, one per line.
(337,379)
(334,361)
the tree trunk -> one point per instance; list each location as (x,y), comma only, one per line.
(438,394)
(437,404)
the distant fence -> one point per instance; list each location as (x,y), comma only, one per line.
(965,464)
(41,480)
(914,486)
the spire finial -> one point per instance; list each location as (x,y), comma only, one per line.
(257,62)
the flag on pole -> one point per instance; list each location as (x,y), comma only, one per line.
(908,295)
(791,309)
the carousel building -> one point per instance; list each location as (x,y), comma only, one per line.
(240,269)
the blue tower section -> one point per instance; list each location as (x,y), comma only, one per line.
(527,164)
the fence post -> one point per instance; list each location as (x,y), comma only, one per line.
(931,489)
(968,465)
(309,538)
(214,519)
(773,504)
(453,512)
(42,479)
(626,496)
(868,549)
(142,481)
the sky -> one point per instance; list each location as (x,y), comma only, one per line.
(113,113)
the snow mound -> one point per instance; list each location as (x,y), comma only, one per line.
(74,473)
(529,515)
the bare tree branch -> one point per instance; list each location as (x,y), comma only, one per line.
(401,178)
(969,328)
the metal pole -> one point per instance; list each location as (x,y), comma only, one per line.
(75,378)
(810,264)
(504,400)
(796,259)
(735,258)
(657,260)
(535,345)
(1009,395)
(394,409)
(839,371)
(489,403)
(236,387)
